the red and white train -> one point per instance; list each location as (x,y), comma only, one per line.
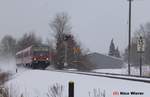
(34,57)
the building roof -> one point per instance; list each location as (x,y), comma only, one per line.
(105,62)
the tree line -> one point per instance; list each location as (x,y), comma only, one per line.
(9,45)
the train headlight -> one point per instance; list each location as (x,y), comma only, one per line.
(34,59)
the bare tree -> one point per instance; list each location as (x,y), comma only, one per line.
(97,92)
(65,40)
(55,91)
(60,26)
(28,39)
(8,45)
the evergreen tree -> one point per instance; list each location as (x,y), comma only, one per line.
(112,49)
(117,53)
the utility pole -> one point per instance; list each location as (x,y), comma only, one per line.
(66,47)
(71,89)
(129,44)
(140,64)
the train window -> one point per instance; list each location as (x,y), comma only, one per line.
(41,49)
(26,54)
(21,55)
(18,56)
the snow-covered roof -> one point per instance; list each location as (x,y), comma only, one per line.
(104,62)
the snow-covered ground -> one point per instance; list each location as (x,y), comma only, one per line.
(116,71)
(35,83)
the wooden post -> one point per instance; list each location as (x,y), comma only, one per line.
(71,89)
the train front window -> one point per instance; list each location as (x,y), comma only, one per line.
(40,51)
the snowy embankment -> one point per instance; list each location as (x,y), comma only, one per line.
(35,83)
(115,71)
(8,65)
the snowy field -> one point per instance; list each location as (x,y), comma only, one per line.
(35,83)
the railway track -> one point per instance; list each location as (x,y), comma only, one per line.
(97,74)
(110,75)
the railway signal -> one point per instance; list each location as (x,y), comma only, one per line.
(76,50)
(140,50)
(140,45)
(67,37)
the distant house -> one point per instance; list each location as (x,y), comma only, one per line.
(104,62)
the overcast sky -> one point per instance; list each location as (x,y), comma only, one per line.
(95,22)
